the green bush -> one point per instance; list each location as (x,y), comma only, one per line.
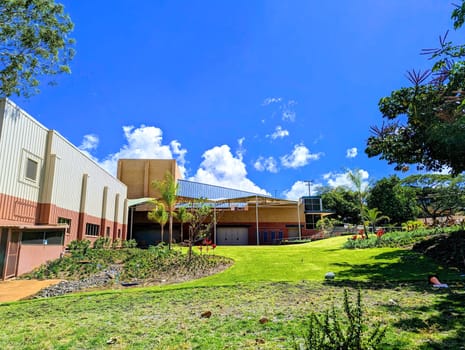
(396,239)
(102,243)
(329,331)
(79,249)
(130,243)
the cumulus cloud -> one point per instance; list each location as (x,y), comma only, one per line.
(300,189)
(220,167)
(269,100)
(89,142)
(351,152)
(279,133)
(342,179)
(269,164)
(299,157)
(146,142)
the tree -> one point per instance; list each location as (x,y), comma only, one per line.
(168,188)
(373,216)
(160,215)
(432,135)
(342,201)
(393,199)
(355,176)
(34,43)
(437,194)
(183,216)
(200,223)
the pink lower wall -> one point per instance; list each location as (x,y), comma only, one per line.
(32,256)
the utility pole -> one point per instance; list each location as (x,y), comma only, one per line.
(309,184)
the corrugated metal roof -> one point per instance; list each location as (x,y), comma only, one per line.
(196,190)
(138,201)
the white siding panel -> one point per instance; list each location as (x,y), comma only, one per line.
(20,135)
(71,165)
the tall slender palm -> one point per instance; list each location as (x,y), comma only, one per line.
(160,215)
(168,188)
(373,216)
(183,216)
(355,176)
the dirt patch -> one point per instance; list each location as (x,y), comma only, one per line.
(13,290)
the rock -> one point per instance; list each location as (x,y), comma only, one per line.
(206,314)
(330,275)
(264,320)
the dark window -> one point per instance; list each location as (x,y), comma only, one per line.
(119,233)
(42,238)
(92,229)
(312,204)
(311,220)
(31,169)
(108,231)
(65,221)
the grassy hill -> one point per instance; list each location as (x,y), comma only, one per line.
(281,284)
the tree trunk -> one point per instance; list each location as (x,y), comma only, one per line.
(170,231)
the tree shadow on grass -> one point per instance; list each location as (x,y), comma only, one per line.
(405,270)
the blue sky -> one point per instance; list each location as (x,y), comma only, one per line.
(254,95)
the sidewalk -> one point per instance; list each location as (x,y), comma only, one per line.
(12,290)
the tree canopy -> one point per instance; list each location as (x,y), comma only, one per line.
(34,44)
(424,124)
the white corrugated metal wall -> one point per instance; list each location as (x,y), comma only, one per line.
(21,136)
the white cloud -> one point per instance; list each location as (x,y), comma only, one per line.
(240,148)
(342,179)
(269,100)
(279,133)
(288,113)
(299,157)
(220,167)
(300,189)
(269,164)
(351,152)
(146,142)
(89,142)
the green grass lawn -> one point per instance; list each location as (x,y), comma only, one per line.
(282,283)
(310,261)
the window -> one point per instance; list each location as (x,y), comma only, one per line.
(65,221)
(108,231)
(119,233)
(311,220)
(31,169)
(312,204)
(92,229)
(42,237)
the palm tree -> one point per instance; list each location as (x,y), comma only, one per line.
(160,215)
(355,177)
(373,216)
(168,188)
(183,215)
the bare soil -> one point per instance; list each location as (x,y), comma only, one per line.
(12,290)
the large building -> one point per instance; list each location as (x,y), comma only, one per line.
(242,218)
(50,194)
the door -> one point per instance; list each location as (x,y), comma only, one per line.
(12,255)
(3,240)
(232,235)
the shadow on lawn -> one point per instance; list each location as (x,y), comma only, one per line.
(394,267)
(409,271)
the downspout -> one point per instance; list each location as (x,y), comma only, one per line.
(298,218)
(256,219)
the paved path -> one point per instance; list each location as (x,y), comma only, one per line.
(12,290)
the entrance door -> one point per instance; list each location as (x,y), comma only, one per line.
(3,240)
(12,255)
(232,235)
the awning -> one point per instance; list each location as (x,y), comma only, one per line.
(29,226)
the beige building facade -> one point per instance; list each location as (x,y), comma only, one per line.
(50,194)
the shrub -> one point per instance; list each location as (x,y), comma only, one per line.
(328,331)
(130,243)
(102,243)
(78,249)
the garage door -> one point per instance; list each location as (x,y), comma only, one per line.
(232,235)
